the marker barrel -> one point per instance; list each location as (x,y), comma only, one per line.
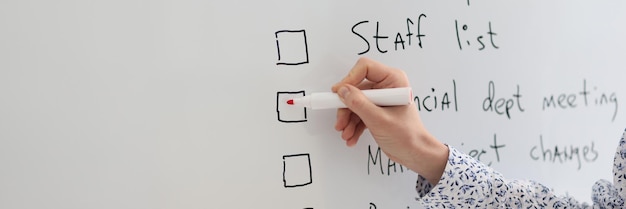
(380,97)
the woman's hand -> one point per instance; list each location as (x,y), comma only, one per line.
(398,130)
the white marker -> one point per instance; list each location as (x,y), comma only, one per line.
(380,97)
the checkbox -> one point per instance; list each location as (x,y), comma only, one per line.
(292,47)
(297,170)
(289,113)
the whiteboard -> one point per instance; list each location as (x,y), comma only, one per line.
(177,104)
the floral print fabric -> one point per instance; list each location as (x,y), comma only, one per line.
(468,183)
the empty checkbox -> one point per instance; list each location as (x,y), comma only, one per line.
(297,170)
(292,47)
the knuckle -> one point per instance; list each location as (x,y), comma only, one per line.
(400,75)
(357,103)
(363,60)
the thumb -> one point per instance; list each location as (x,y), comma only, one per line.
(354,99)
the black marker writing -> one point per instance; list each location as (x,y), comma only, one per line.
(364,39)
(479,38)
(399,42)
(589,98)
(563,154)
(501,105)
(430,102)
(479,153)
(378,159)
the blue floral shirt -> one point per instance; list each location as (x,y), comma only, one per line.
(468,183)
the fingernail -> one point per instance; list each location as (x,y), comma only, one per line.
(343,92)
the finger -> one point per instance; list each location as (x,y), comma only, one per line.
(396,79)
(366,68)
(374,71)
(360,128)
(343,117)
(366,85)
(348,132)
(354,99)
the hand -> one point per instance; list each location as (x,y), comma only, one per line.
(398,130)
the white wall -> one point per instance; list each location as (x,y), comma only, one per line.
(173,104)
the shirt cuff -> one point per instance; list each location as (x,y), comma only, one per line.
(463,182)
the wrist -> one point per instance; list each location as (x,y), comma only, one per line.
(429,157)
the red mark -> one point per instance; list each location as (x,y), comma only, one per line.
(290,101)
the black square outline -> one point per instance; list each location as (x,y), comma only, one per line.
(278,103)
(285,166)
(306,47)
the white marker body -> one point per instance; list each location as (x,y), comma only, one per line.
(380,97)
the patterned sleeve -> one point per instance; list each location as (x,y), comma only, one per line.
(468,183)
